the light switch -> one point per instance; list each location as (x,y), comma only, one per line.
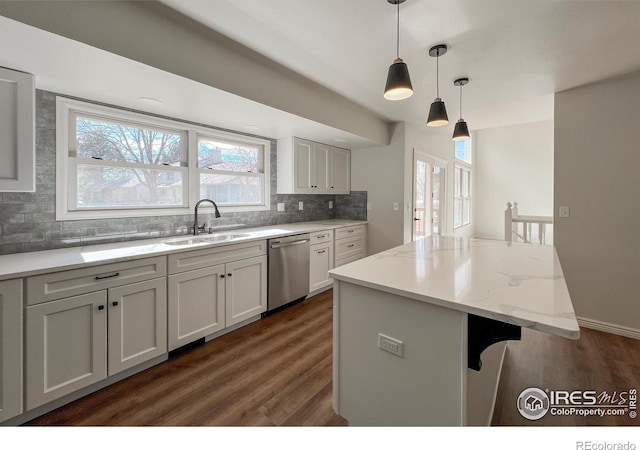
(330,204)
(300,206)
(564,212)
(395,206)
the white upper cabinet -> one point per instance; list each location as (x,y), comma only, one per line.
(17,131)
(306,167)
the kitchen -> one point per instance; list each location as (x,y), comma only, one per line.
(387,228)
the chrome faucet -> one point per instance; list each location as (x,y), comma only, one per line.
(196,228)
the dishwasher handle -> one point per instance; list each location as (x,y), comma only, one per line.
(279,245)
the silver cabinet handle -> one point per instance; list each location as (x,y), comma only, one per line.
(277,245)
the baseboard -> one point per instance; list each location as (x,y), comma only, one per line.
(609,328)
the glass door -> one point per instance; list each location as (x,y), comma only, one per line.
(428,195)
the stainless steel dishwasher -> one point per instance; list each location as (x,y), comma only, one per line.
(288,270)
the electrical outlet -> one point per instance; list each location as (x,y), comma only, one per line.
(389,344)
(281,207)
(564,212)
(395,206)
(330,204)
(300,206)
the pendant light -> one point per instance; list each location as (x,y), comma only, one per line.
(437,112)
(398,82)
(461,131)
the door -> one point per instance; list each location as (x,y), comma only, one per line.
(246,289)
(321,160)
(137,323)
(10,349)
(196,304)
(304,175)
(66,346)
(340,171)
(428,195)
(320,262)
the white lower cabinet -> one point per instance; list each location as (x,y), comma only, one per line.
(246,289)
(320,260)
(74,342)
(10,349)
(231,289)
(196,304)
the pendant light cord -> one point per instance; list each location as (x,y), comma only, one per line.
(398,33)
(437,74)
(460,100)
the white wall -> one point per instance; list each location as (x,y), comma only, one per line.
(597,174)
(512,163)
(380,172)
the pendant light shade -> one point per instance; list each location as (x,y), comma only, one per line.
(398,82)
(398,85)
(461,131)
(437,112)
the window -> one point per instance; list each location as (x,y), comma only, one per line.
(462,197)
(462,184)
(462,150)
(230,172)
(114,163)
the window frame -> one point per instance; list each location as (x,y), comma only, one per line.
(66,111)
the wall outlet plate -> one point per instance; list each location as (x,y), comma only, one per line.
(280,207)
(389,344)
(564,212)
(300,206)
(330,204)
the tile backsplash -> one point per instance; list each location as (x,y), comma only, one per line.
(27,220)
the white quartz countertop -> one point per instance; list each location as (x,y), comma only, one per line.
(32,263)
(521,284)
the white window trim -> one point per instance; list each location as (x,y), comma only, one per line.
(64,108)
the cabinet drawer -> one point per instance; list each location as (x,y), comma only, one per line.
(321,236)
(197,259)
(345,232)
(56,285)
(346,248)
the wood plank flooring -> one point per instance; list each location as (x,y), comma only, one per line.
(277,371)
(598,361)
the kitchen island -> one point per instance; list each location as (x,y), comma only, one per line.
(411,325)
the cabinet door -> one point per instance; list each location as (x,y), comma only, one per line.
(66,346)
(196,304)
(340,169)
(246,289)
(304,167)
(137,323)
(320,165)
(320,262)
(17,131)
(10,349)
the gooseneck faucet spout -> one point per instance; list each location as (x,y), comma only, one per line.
(196,228)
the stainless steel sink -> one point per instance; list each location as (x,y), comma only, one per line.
(207,239)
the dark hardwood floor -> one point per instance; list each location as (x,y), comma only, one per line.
(277,371)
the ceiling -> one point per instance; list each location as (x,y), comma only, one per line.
(516,53)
